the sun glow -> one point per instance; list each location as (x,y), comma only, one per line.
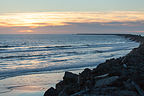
(39,19)
(66,22)
(29,31)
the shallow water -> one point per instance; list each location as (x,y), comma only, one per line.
(33,84)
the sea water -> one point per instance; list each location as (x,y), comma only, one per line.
(35,56)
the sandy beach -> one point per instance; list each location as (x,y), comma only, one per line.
(32,85)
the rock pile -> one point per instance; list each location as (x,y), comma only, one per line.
(123,76)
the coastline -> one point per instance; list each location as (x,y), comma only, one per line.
(32,84)
(115,77)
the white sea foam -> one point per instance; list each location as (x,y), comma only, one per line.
(37,53)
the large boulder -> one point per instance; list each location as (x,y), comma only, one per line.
(106,81)
(60,86)
(51,92)
(67,90)
(86,73)
(112,66)
(69,78)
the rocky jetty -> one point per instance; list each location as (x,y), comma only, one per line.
(123,76)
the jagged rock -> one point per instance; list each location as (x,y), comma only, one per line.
(105,91)
(60,86)
(112,66)
(68,85)
(69,77)
(111,78)
(86,79)
(86,73)
(106,81)
(51,92)
(125,93)
(63,93)
(69,89)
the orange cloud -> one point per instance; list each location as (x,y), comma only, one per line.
(38,19)
(27,31)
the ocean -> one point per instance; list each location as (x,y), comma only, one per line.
(30,55)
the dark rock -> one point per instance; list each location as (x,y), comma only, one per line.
(60,86)
(129,86)
(69,89)
(69,82)
(104,91)
(51,92)
(111,78)
(125,93)
(69,77)
(106,81)
(112,66)
(86,73)
(63,93)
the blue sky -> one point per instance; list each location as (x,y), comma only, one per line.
(70,5)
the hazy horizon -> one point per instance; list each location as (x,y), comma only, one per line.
(71,17)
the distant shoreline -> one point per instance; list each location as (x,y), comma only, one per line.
(100,34)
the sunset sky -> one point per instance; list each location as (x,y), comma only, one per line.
(71,16)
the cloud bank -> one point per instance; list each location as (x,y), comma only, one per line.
(71,22)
